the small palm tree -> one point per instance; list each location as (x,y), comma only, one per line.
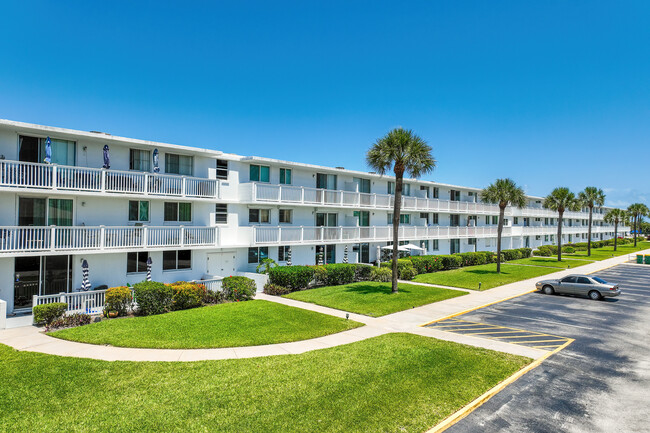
(404,152)
(636,212)
(616,217)
(591,197)
(503,192)
(266,265)
(561,200)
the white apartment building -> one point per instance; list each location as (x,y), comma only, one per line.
(207,214)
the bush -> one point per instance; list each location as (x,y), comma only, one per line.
(72,320)
(213,297)
(276,290)
(187,295)
(568,250)
(239,288)
(153,297)
(119,299)
(525,252)
(362,272)
(339,274)
(473,258)
(293,277)
(382,275)
(511,255)
(405,269)
(320,275)
(47,313)
(407,273)
(451,261)
(543,251)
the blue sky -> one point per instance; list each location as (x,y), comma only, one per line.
(549,93)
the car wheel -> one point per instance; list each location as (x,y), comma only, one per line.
(548,290)
(595,295)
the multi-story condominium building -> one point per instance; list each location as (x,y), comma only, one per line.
(200,214)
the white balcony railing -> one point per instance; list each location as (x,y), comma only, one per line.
(56,238)
(58,177)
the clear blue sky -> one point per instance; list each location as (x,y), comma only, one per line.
(549,93)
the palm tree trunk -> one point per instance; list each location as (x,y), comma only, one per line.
(499,231)
(591,209)
(615,234)
(559,236)
(396,212)
(635,219)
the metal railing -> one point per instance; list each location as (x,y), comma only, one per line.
(59,177)
(56,238)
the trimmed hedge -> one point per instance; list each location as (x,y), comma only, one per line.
(362,272)
(48,313)
(187,295)
(239,288)
(339,274)
(153,297)
(276,290)
(405,268)
(381,275)
(293,277)
(119,299)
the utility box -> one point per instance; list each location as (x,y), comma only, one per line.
(639,259)
(647,260)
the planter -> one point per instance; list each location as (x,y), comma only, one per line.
(113,314)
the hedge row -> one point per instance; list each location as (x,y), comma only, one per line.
(286,279)
(427,264)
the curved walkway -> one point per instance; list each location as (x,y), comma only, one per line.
(30,338)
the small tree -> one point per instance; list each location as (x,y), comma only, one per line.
(561,200)
(591,197)
(503,192)
(616,217)
(636,212)
(404,152)
(265,266)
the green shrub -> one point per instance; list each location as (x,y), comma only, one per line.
(47,313)
(525,252)
(294,277)
(407,273)
(276,290)
(362,272)
(404,267)
(339,274)
(320,275)
(239,288)
(69,321)
(213,297)
(569,250)
(118,299)
(451,261)
(511,255)
(543,251)
(382,275)
(473,258)
(153,297)
(187,295)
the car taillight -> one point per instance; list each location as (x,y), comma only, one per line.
(613,288)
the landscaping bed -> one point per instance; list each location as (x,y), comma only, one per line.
(233,324)
(373,298)
(394,382)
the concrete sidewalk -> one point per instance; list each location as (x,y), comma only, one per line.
(30,338)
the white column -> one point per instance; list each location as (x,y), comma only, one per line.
(3,314)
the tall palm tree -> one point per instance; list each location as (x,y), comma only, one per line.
(561,200)
(616,217)
(591,197)
(503,192)
(636,212)
(404,152)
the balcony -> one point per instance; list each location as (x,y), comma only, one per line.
(53,239)
(17,174)
(299,195)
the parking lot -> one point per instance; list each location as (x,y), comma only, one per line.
(599,382)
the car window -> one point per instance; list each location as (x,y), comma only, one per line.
(568,280)
(583,280)
(600,280)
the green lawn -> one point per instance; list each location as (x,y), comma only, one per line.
(373,299)
(551,262)
(469,277)
(391,383)
(236,324)
(608,252)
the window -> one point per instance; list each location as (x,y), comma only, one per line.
(434,220)
(434,245)
(138,210)
(178,164)
(262,216)
(222,169)
(286,216)
(516,220)
(283,253)
(403,218)
(326,219)
(260,173)
(406,189)
(426,190)
(425,217)
(487,220)
(454,195)
(326,181)
(363,217)
(364,184)
(471,241)
(178,212)
(175,260)
(454,220)
(436,192)
(545,238)
(425,245)
(495,219)
(285,176)
(538,237)
(257,254)
(328,253)
(136,262)
(391,188)
(139,160)
(569,280)
(221,214)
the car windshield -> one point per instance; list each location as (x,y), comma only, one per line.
(600,280)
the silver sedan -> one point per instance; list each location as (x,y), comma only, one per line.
(593,287)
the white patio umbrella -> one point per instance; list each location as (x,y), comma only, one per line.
(85,282)
(399,248)
(412,247)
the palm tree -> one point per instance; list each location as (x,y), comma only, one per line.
(637,211)
(616,217)
(503,192)
(591,197)
(560,200)
(404,152)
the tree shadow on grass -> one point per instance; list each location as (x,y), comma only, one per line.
(369,289)
(485,272)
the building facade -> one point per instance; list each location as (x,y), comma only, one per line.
(202,214)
